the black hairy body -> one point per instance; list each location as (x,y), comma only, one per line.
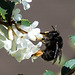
(54,43)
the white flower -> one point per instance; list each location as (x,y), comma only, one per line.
(15,15)
(3,38)
(19,44)
(25,48)
(27,52)
(25,3)
(33,32)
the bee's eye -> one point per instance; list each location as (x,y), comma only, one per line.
(54,33)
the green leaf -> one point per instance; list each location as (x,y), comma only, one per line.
(16,3)
(8,6)
(20,74)
(48,73)
(25,22)
(72,37)
(2,12)
(68,68)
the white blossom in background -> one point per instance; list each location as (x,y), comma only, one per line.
(25,3)
(15,15)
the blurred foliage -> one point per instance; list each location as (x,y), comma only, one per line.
(68,68)
(48,73)
(24,22)
(20,74)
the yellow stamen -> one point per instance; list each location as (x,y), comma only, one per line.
(39,53)
(10,33)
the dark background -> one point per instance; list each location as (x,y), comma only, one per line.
(47,12)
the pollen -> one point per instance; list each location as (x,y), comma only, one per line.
(39,53)
(21,36)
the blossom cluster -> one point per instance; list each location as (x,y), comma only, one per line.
(25,3)
(17,38)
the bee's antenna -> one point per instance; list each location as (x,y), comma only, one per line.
(54,28)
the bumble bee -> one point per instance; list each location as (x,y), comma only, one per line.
(54,43)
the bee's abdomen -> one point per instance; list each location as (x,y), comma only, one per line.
(48,55)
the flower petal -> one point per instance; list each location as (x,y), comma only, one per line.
(1,44)
(28,0)
(39,37)
(10,33)
(3,31)
(33,58)
(34,24)
(18,17)
(7,44)
(33,33)
(19,55)
(25,5)
(15,12)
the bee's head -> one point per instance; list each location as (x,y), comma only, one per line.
(51,34)
(54,32)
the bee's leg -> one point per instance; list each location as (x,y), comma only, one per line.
(56,50)
(60,55)
(56,53)
(55,60)
(43,41)
(60,45)
(43,33)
